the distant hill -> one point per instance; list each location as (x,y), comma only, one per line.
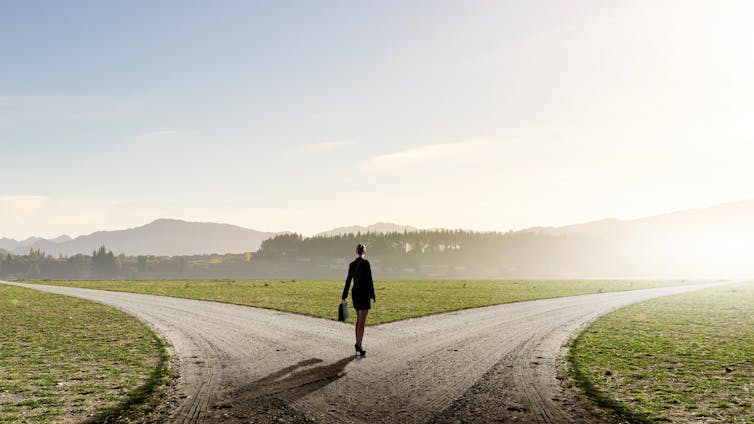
(12,244)
(714,242)
(708,240)
(737,217)
(62,239)
(163,237)
(380,227)
(8,243)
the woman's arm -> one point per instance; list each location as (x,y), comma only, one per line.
(371,282)
(348,282)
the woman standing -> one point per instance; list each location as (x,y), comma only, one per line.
(363,290)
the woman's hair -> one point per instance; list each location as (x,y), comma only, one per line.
(360,249)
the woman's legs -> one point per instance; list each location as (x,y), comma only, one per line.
(361,319)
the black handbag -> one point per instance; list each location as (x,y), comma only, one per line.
(343,311)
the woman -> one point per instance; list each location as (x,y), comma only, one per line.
(363,289)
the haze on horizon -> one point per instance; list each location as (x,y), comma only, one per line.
(307,116)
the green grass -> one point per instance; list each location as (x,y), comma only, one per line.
(685,358)
(396,300)
(68,360)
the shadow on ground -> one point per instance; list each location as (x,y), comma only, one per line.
(268,399)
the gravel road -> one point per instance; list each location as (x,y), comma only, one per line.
(243,364)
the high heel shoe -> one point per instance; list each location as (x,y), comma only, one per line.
(359,350)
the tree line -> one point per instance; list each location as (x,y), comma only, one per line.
(443,253)
(397,255)
(104,264)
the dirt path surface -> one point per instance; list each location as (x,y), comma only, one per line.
(243,364)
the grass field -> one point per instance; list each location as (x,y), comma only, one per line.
(396,300)
(685,358)
(67,360)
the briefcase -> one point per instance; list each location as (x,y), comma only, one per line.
(343,311)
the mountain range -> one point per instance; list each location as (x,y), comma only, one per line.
(7,244)
(163,237)
(171,237)
(724,232)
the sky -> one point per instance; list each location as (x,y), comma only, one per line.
(305,116)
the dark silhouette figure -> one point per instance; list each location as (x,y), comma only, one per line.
(363,289)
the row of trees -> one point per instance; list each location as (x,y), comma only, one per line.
(104,264)
(444,253)
(422,254)
(37,264)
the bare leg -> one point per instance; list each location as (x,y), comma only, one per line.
(361,319)
(356,327)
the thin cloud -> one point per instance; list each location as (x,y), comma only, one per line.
(469,151)
(156,135)
(325,146)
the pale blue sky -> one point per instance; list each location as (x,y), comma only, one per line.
(487,115)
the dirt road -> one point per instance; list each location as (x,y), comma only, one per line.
(242,364)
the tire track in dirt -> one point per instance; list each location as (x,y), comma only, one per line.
(242,364)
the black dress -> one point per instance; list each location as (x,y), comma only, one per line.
(363,286)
